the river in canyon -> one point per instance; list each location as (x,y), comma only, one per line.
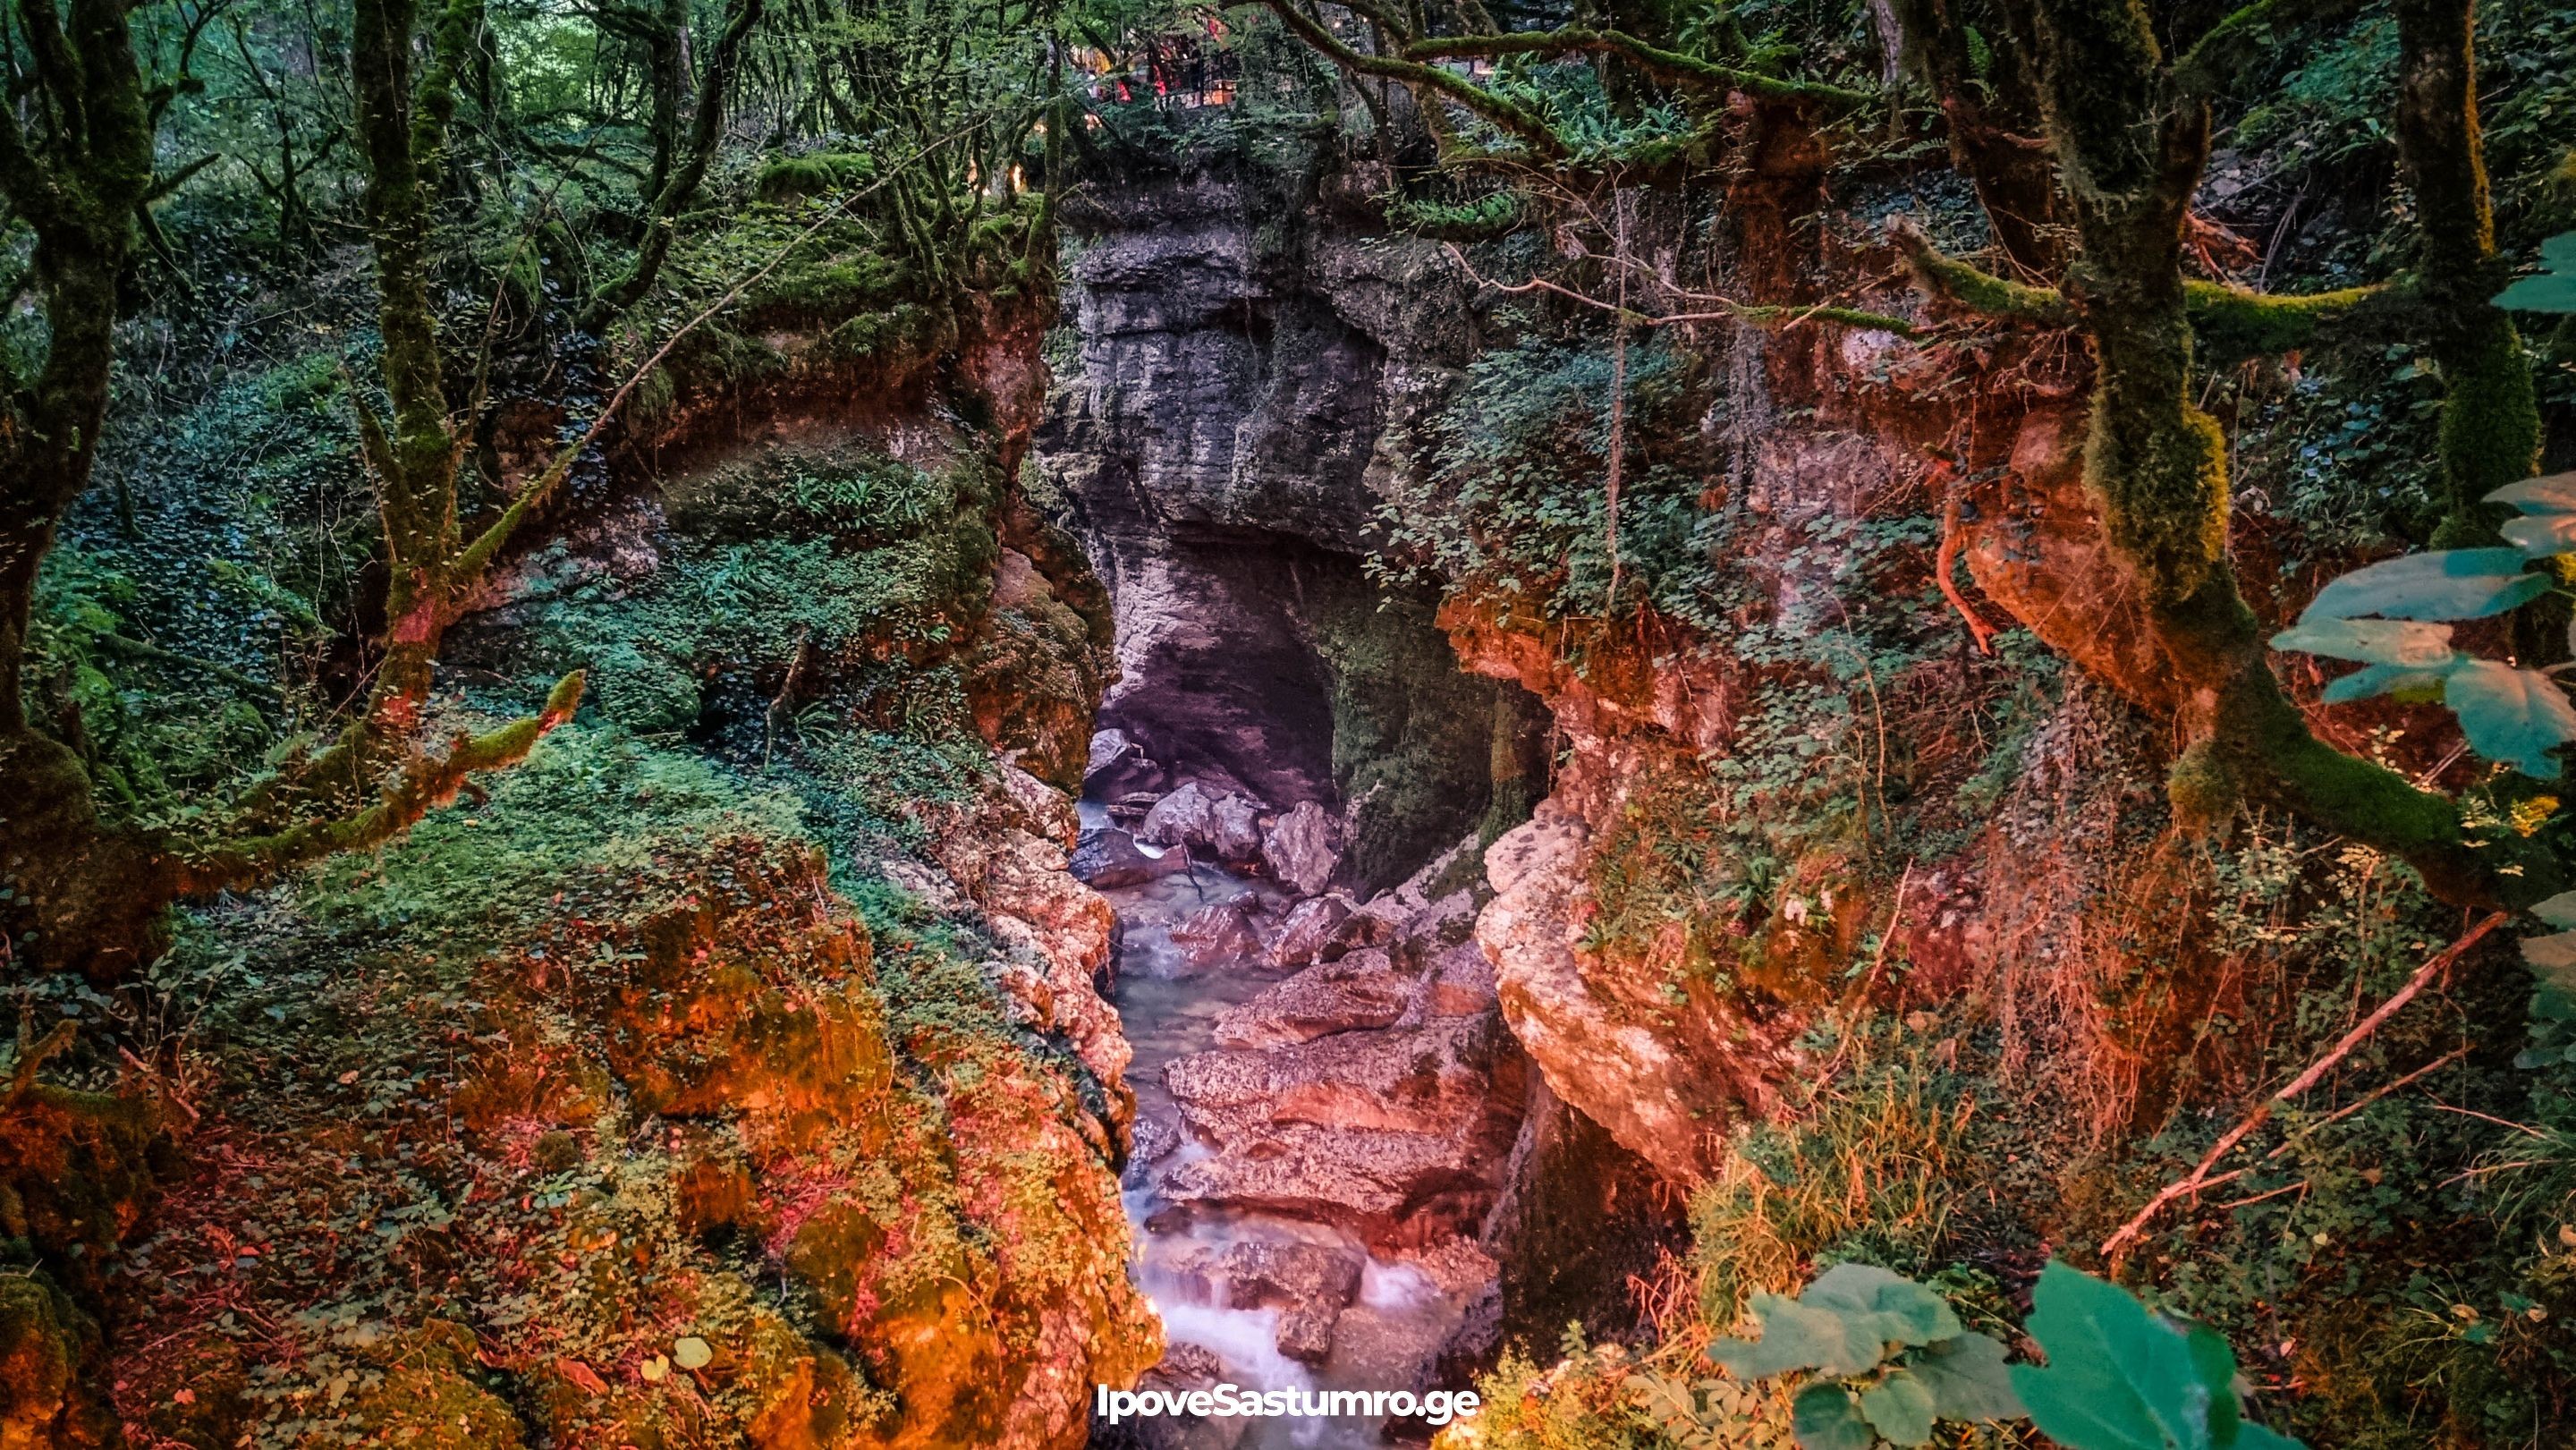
(1276,1297)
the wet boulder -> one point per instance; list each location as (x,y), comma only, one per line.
(1109,858)
(1303,849)
(1118,766)
(1184,1367)
(1456,982)
(1362,989)
(1109,748)
(1310,926)
(1397,1134)
(1228,825)
(1153,1140)
(1221,932)
(1309,1284)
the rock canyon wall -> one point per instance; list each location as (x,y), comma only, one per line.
(1261,364)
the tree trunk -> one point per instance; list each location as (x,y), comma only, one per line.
(2490,429)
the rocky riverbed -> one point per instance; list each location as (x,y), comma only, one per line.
(1326,1098)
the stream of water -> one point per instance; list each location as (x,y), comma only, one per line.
(1170,1008)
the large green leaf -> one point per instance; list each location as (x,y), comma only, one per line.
(1824,1417)
(2121,1378)
(2372,680)
(1968,1379)
(2548,508)
(2552,957)
(2553,289)
(2511,715)
(2555,494)
(2559,910)
(2401,642)
(1796,1336)
(1890,1305)
(1899,1408)
(2541,536)
(2117,1377)
(2444,584)
(2216,1362)
(1840,1325)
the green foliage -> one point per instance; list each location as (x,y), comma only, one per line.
(1477,219)
(1520,453)
(2348,454)
(1886,1360)
(2511,714)
(1902,1125)
(1577,107)
(2333,104)
(833,560)
(586,801)
(2553,288)
(167,734)
(1582,1403)
(2119,1377)
(821,173)
(2446,584)
(1845,1323)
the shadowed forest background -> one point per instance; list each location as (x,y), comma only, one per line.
(807,722)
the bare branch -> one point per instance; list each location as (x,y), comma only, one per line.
(2200,1177)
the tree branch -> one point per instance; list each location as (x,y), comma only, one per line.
(413,793)
(2198,1178)
(1668,66)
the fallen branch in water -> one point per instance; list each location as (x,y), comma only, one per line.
(2200,1177)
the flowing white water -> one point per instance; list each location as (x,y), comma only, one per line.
(1169,1010)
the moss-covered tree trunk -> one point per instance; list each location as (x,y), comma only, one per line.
(97,892)
(75,171)
(2490,428)
(678,170)
(2130,143)
(1992,122)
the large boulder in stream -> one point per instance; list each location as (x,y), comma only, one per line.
(1397,1134)
(1219,933)
(1227,825)
(1109,858)
(1309,1284)
(1362,989)
(1303,849)
(1185,1367)
(1310,926)
(1118,765)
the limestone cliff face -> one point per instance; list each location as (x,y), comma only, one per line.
(1824,432)
(1245,351)
(1249,361)
(1258,361)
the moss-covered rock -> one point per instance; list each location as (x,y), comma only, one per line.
(788,178)
(618,1078)
(427,1391)
(1412,732)
(76,1174)
(51,1367)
